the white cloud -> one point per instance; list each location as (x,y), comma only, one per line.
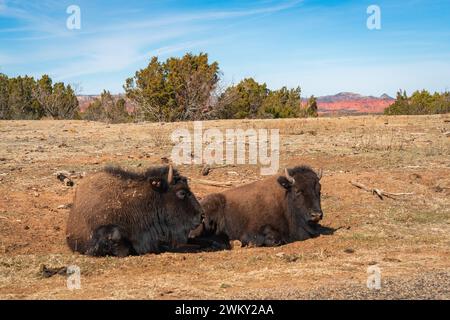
(107,48)
(116,53)
(29,13)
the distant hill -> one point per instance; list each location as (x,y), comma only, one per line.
(341,103)
(85,100)
(353,103)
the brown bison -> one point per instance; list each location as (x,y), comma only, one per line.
(270,212)
(120,213)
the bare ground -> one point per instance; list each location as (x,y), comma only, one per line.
(407,238)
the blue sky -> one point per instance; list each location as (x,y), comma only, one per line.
(322,46)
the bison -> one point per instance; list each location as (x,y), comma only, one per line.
(119,213)
(270,212)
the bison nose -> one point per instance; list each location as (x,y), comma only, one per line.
(316,216)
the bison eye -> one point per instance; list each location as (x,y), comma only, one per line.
(181,194)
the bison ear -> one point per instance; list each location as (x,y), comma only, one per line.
(158,184)
(284,182)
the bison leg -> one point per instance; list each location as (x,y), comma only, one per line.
(208,238)
(272,237)
(252,240)
(266,237)
(110,240)
(213,242)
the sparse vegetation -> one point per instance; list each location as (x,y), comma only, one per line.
(420,102)
(252,100)
(107,108)
(312,108)
(243,100)
(177,89)
(181,89)
(408,236)
(186,88)
(30,99)
(388,140)
(283,103)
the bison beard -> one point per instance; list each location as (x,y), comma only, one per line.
(120,213)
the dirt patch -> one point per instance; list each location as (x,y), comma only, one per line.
(408,238)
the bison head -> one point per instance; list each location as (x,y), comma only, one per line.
(302,185)
(184,210)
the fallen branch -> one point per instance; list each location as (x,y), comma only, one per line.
(50,272)
(221,166)
(207,169)
(64,177)
(213,183)
(378,192)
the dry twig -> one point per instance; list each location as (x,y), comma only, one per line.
(213,183)
(380,193)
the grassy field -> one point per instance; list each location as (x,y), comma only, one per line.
(408,238)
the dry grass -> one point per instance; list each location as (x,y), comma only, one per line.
(408,238)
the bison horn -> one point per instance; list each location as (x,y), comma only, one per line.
(288,176)
(320,174)
(170,175)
